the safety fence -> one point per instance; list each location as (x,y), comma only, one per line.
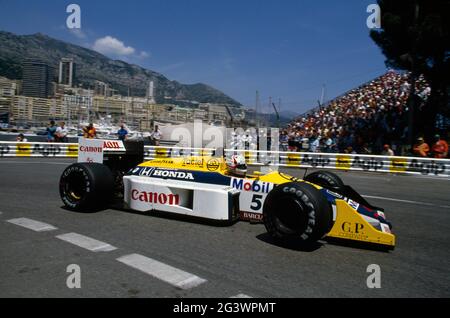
(345,162)
(38,149)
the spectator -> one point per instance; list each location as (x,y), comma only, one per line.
(284,141)
(122,132)
(440,148)
(421,148)
(156,136)
(314,144)
(375,114)
(61,133)
(387,151)
(51,130)
(21,138)
(89,131)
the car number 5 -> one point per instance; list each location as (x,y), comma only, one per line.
(256,202)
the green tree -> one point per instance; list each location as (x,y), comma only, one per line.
(415,36)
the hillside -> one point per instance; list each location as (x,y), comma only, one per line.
(91,66)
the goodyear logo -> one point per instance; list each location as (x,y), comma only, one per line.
(343,162)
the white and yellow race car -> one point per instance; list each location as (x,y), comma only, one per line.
(294,210)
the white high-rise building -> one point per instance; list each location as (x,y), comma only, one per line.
(150,93)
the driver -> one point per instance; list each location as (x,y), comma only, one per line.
(236,166)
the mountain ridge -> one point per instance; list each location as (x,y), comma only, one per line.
(92,65)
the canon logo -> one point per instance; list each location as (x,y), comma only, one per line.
(154,197)
(90,149)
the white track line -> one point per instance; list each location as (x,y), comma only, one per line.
(32,224)
(166,273)
(241,296)
(86,242)
(407,201)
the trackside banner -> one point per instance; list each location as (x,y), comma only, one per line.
(349,162)
(346,162)
(34,149)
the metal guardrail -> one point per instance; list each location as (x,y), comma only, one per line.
(38,149)
(345,162)
(350,162)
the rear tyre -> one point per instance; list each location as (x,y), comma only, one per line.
(297,212)
(326,179)
(86,187)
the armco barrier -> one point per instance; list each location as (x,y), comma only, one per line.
(345,162)
(349,162)
(36,149)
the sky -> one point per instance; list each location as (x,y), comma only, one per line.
(285,49)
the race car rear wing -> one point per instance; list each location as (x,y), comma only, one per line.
(116,154)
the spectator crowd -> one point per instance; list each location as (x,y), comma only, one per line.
(371,119)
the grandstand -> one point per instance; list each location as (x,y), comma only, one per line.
(361,120)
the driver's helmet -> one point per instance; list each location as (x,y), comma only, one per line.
(236,165)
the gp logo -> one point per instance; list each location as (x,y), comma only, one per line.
(353,228)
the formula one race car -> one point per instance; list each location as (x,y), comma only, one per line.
(215,188)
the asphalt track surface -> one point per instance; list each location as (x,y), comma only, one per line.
(228,261)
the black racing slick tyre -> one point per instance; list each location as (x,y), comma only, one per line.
(86,187)
(297,212)
(326,179)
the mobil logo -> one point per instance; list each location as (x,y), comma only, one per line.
(250,185)
(155,197)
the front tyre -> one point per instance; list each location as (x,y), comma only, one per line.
(327,180)
(297,212)
(86,186)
